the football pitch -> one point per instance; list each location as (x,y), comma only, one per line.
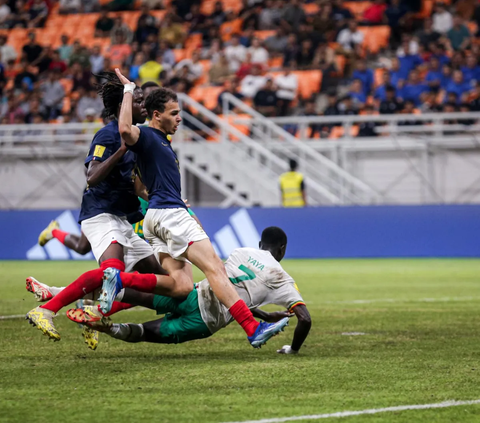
(385,333)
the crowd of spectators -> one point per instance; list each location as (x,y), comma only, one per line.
(430,65)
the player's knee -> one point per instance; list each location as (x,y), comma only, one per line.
(83,249)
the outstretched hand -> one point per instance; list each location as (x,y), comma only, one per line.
(122,78)
(277,316)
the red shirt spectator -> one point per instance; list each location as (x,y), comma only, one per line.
(374,14)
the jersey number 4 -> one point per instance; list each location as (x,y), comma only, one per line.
(249,275)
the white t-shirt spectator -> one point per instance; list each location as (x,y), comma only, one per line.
(70,4)
(442,22)
(4,12)
(348,38)
(195,69)
(8,53)
(259,55)
(96,62)
(236,55)
(251,84)
(287,86)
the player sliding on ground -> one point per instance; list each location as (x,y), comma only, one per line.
(257,277)
(171,231)
(107,202)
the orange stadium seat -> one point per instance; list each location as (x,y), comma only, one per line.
(357,7)
(376,37)
(209,95)
(227,29)
(67,85)
(194,41)
(208,6)
(275,62)
(309,82)
(311,8)
(242,127)
(378,76)
(179,54)
(340,61)
(426,10)
(158,14)
(263,35)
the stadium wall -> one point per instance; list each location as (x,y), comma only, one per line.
(320,232)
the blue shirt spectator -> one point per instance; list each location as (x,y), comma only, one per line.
(381,91)
(357,92)
(458,86)
(413,89)
(365,75)
(471,72)
(434,74)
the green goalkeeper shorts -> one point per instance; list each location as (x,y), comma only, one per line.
(183,321)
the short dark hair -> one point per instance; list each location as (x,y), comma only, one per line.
(293,164)
(157,100)
(274,236)
(149,84)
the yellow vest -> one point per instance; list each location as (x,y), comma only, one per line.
(291,186)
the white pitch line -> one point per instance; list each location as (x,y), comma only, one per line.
(370,411)
(404,300)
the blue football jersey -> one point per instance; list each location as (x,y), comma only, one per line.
(115,194)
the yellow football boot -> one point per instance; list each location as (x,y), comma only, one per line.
(46,234)
(43,320)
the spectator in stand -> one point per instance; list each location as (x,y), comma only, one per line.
(104,25)
(53,94)
(69,6)
(65,50)
(236,53)
(258,53)
(57,64)
(351,38)
(25,79)
(409,109)
(144,30)
(396,16)
(2,79)
(457,60)
(447,73)
(340,14)
(80,55)
(458,86)
(357,93)
(270,16)
(219,72)
(475,102)
(5,12)
(451,98)
(252,83)
(367,129)
(120,27)
(265,100)
(438,51)
(89,101)
(293,15)
(291,50)
(218,16)
(90,6)
(442,19)
(305,55)
(196,19)
(434,75)
(31,51)
(428,36)
(276,44)
(121,5)
(44,60)
(365,75)
(332,109)
(231,87)
(390,105)
(97,61)
(34,108)
(347,106)
(38,12)
(172,32)
(138,61)
(246,68)
(408,61)
(166,54)
(381,91)
(246,37)
(471,71)
(120,50)
(374,13)
(195,68)
(413,88)
(7,52)
(287,86)
(323,22)
(20,16)
(150,71)
(80,77)
(459,35)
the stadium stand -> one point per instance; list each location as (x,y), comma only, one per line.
(331,48)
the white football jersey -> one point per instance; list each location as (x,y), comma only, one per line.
(258,278)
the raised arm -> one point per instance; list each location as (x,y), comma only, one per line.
(301,331)
(128,131)
(98,171)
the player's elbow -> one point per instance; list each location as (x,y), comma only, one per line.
(125,130)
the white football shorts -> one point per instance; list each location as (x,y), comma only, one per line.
(171,231)
(104,229)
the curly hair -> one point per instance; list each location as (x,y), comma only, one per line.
(158,99)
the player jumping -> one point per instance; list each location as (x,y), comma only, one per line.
(172,232)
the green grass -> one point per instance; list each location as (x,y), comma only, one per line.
(414,351)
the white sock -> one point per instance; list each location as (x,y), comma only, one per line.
(55,291)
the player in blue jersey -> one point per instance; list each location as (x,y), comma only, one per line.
(171,231)
(107,201)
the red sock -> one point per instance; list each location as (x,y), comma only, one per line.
(244,317)
(86,283)
(116,307)
(60,235)
(140,282)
